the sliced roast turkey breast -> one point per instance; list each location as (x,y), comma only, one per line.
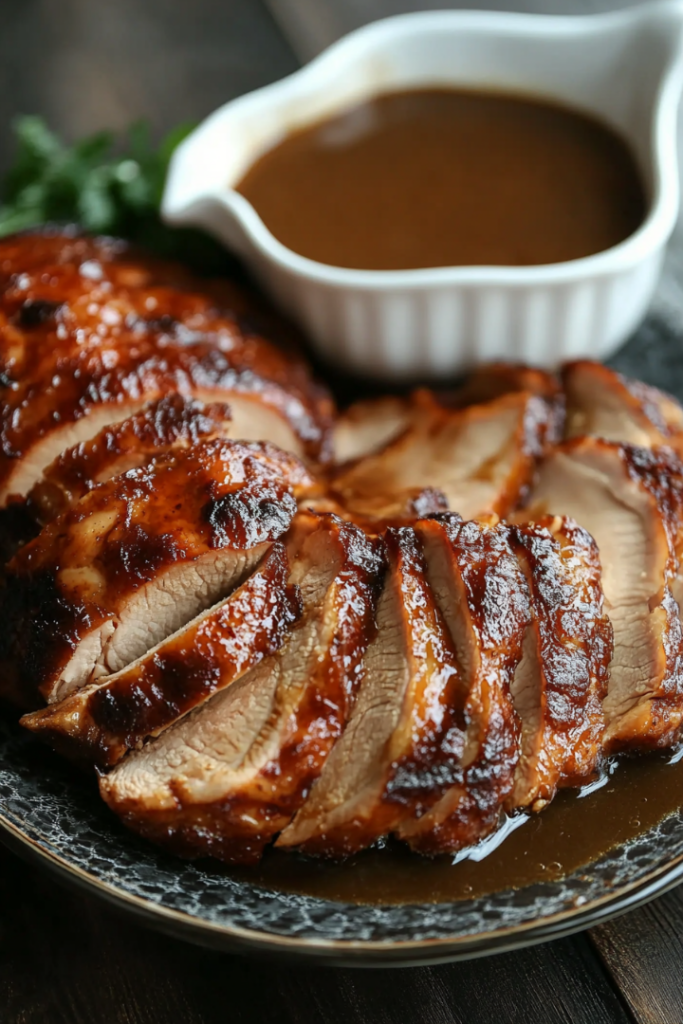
(137,557)
(559,689)
(228,777)
(604,403)
(481,459)
(627,498)
(484,600)
(367,426)
(89,333)
(101,722)
(496,379)
(171,423)
(403,743)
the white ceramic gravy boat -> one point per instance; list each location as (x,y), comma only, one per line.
(625,67)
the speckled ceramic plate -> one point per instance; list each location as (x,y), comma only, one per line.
(52,814)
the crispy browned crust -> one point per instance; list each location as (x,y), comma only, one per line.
(573,639)
(496,612)
(238,827)
(656,718)
(421,759)
(169,423)
(100,723)
(659,471)
(87,324)
(219,494)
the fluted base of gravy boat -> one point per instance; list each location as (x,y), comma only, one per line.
(625,67)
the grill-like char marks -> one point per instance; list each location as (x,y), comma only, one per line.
(484,600)
(404,740)
(171,423)
(99,723)
(231,775)
(89,333)
(137,557)
(559,694)
(627,498)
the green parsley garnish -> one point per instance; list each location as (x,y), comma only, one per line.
(105,184)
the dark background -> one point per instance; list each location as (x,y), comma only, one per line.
(89,64)
(64,959)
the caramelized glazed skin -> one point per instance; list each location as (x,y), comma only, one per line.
(88,562)
(660,722)
(405,774)
(489,595)
(651,714)
(171,423)
(426,750)
(237,827)
(562,736)
(660,472)
(100,723)
(87,324)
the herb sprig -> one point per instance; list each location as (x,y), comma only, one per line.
(107,185)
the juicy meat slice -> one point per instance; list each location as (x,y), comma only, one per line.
(228,777)
(603,403)
(627,498)
(484,600)
(137,557)
(481,459)
(562,680)
(101,722)
(367,426)
(496,379)
(90,332)
(171,423)
(403,743)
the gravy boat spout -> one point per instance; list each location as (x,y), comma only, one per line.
(626,68)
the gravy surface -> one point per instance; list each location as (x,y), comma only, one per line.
(444,177)
(576,829)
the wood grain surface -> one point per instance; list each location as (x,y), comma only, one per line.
(66,959)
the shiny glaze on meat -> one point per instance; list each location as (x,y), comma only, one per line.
(629,499)
(87,328)
(100,723)
(404,741)
(603,403)
(571,638)
(484,597)
(170,423)
(87,565)
(233,796)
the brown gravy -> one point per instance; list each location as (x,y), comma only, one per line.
(437,177)
(572,832)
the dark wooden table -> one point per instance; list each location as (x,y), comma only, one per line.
(65,959)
